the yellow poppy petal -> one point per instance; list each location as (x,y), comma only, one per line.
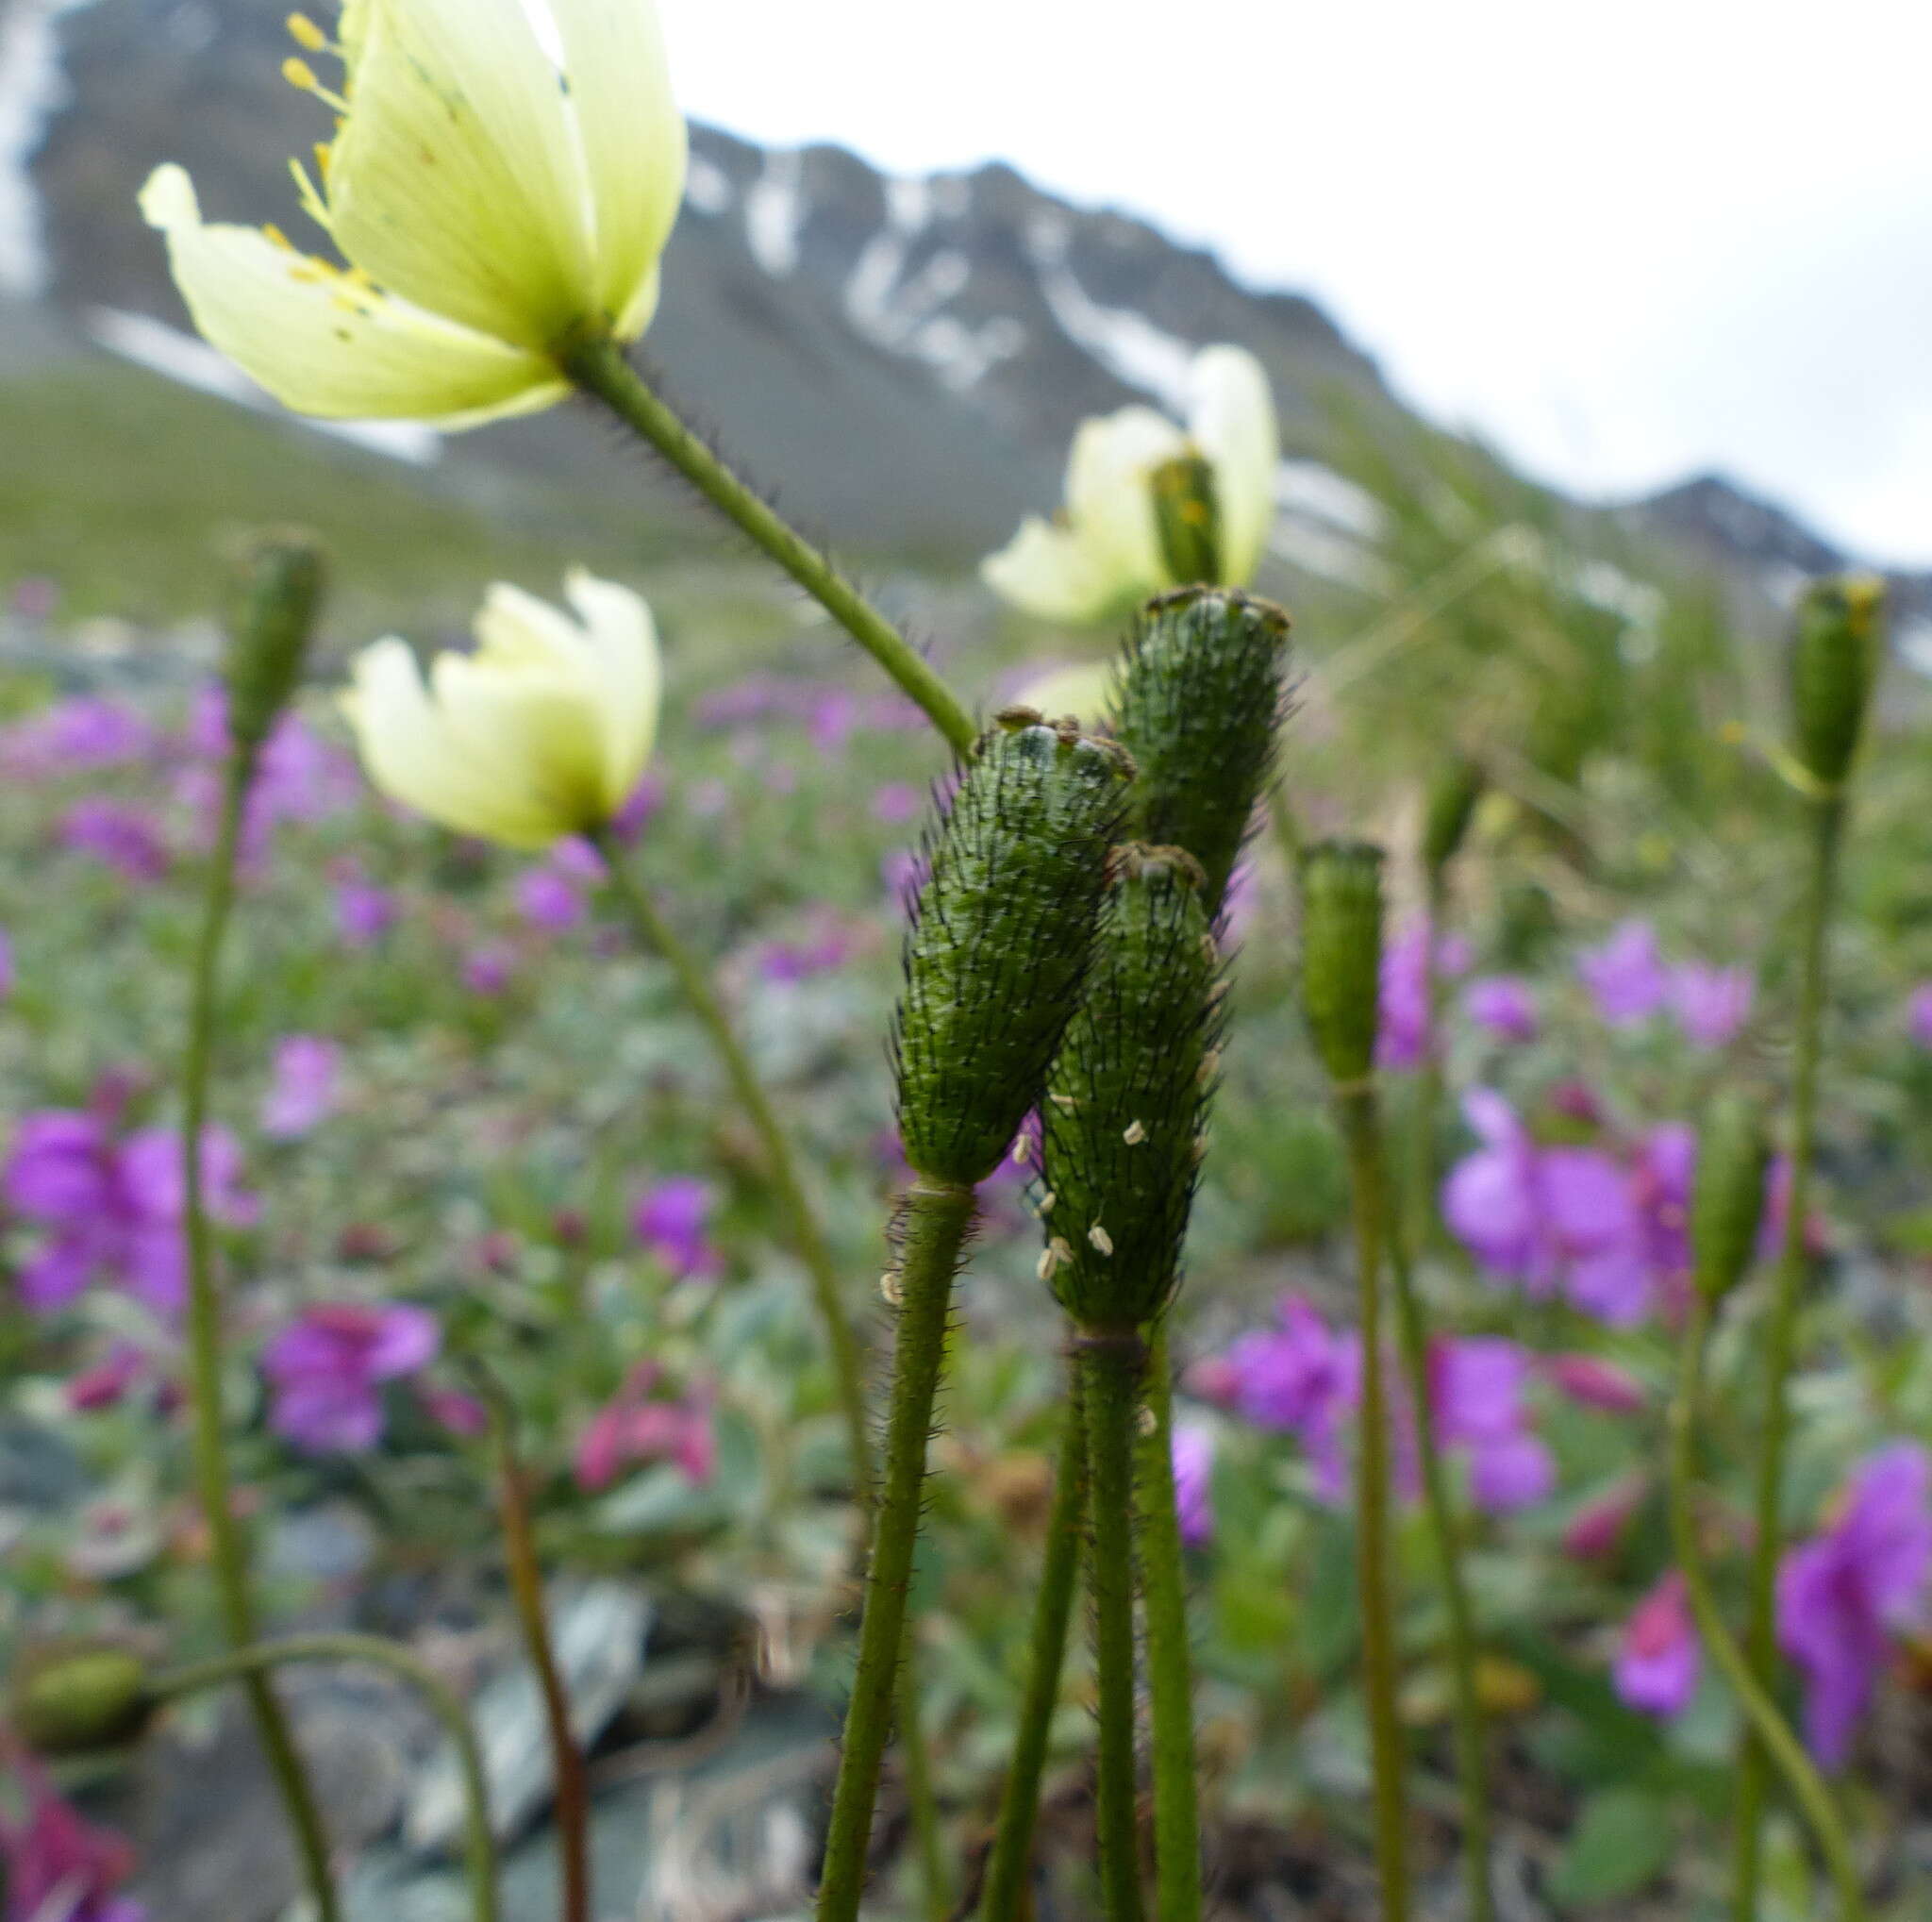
(1110,495)
(457,179)
(1056,573)
(411,755)
(628,671)
(326,346)
(535,729)
(1232,421)
(634,145)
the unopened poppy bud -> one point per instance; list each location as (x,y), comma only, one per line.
(277,594)
(1001,939)
(1727,1196)
(1128,1094)
(1341,954)
(1447,811)
(77,1697)
(1199,700)
(1835,659)
(1187,514)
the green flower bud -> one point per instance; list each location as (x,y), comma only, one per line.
(1187,514)
(1198,704)
(1002,938)
(74,1698)
(275,600)
(1121,1123)
(1727,1196)
(1341,954)
(1447,811)
(1835,660)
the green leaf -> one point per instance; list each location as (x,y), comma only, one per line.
(1621,1844)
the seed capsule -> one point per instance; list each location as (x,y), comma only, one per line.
(278,593)
(1341,954)
(1002,938)
(1727,1196)
(1122,1161)
(1199,703)
(1835,660)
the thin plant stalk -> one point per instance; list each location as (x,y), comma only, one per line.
(1780,1746)
(1362,1117)
(1111,1367)
(921,1800)
(573,1800)
(937,1219)
(809,1240)
(1428,1081)
(1170,1668)
(1761,1634)
(600,370)
(1003,1897)
(479,1853)
(227,1550)
(1380,1656)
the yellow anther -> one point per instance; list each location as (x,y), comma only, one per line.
(325,156)
(275,237)
(305,34)
(300,74)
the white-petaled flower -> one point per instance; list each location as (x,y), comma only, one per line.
(542,732)
(1102,551)
(496,199)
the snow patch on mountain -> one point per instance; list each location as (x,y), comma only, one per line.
(1126,343)
(775,213)
(707,187)
(33,90)
(192,362)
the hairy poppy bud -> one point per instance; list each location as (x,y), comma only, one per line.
(278,592)
(1835,659)
(1341,954)
(1727,1196)
(76,1697)
(1198,703)
(1447,811)
(1121,1123)
(1002,938)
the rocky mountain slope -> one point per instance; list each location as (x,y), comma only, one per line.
(906,358)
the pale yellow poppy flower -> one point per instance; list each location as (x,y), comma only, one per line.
(497,195)
(542,732)
(1102,551)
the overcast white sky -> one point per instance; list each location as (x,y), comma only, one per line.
(1625,238)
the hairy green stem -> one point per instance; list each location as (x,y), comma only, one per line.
(1112,1362)
(1471,1748)
(1780,1748)
(921,1798)
(1003,1897)
(1760,1633)
(937,1219)
(808,1239)
(601,370)
(573,1799)
(228,1551)
(257,1661)
(1170,1665)
(1380,1656)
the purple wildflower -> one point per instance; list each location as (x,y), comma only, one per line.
(118,834)
(1304,1377)
(1597,1529)
(1626,976)
(1658,1658)
(671,1220)
(1593,1382)
(488,969)
(895,803)
(1919,1015)
(7,966)
(304,1090)
(1504,1005)
(364,913)
(1403,1040)
(1476,1391)
(639,807)
(59,1868)
(325,1372)
(549,900)
(639,1425)
(114,1206)
(1712,1004)
(1843,1595)
(86,731)
(1193,1478)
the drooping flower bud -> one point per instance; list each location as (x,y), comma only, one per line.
(1187,516)
(1728,1194)
(1835,661)
(1447,811)
(1200,691)
(1002,938)
(76,1697)
(278,593)
(1121,1123)
(1341,954)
